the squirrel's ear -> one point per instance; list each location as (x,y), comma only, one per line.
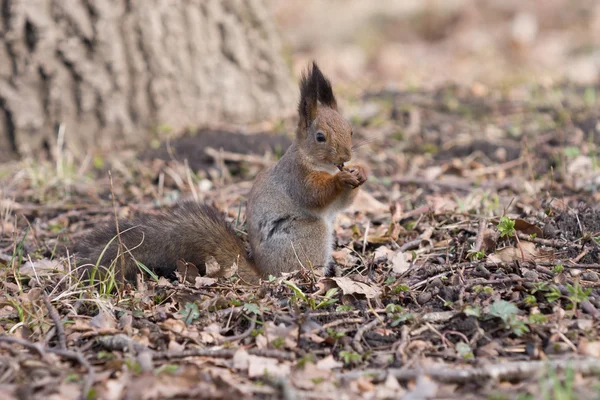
(309,94)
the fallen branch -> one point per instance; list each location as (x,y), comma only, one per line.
(499,371)
(221,353)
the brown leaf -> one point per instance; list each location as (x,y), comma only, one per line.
(103,321)
(524,249)
(591,349)
(527,228)
(350,286)
(490,240)
(186,271)
(43,267)
(366,203)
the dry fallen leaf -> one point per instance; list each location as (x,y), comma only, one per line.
(261,366)
(399,262)
(103,321)
(527,228)
(366,203)
(350,286)
(382,254)
(203,281)
(526,250)
(591,349)
(186,271)
(43,267)
(308,377)
(328,363)
(276,333)
(213,269)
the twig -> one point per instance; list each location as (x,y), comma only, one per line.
(121,342)
(519,370)
(556,243)
(221,353)
(359,335)
(413,244)
(60,330)
(479,239)
(242,335)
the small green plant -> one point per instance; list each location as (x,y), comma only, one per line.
(350,357)
(310,301)
(530,300)
(389,280)
(475,255)
(278,342)
(166,369)
(479,289)
(506,227)
(556,388)
(571,151)
(553,294)
(335,335)
(557,269)
(398,319)
(344,308)
(507,312)
(393,308)
(577,294)
(308,358)
(401,289)
(473,311)
(537,318)
(465,351)
(252,308)
(190,313)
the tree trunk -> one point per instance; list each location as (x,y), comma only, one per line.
(121,69)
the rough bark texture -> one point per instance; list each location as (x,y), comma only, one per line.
(112,69)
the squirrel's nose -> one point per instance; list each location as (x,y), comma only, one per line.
(346,155)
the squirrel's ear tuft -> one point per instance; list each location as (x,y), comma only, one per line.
(314,87)
(309,94)
(325,92)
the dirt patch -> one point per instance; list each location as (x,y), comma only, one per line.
(192,146)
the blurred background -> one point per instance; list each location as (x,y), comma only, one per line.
(426,43)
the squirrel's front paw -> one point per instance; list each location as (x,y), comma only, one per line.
(348,178)
(359,172)
(353,176)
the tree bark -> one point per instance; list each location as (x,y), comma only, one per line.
(121,69)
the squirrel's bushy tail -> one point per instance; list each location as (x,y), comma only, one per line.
(190,232)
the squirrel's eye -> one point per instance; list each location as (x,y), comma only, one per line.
(320,137)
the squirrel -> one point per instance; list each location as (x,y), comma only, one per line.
(289,215)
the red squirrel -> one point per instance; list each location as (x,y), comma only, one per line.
(290,213)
